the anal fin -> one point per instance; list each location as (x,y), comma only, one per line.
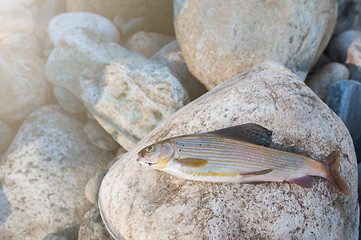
(305,181)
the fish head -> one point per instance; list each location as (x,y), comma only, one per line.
(156,155)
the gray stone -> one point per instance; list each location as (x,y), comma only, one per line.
(355,72)
(23,83)
(338,48)
(125,92)
(348,16)
(67,100)
(6,136)
(147,43)
(222,39)
(70,233)
(135,25)
(24,41)
(159,12)
(321,80)
(93,228)
(100,26)
(99,137)
(44,173)
(93,185)
(344,98)
(171,56)
(142,203)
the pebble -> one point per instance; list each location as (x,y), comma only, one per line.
(338,47)
(171,56)
(6,136)
(135,25)
(24,41)
(93,185)
(170,207)
(215,53)
(321,80)
(23,84)
(354,52)
(102,27)
(45,172)
(68,100)
(99,137)
(92,227)
(344,98)
(147,43)
(355,72)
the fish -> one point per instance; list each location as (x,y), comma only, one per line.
(239,154)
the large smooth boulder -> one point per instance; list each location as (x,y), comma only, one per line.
(137,202)
(44,173)
(220,39)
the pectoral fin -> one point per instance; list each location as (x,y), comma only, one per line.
(305,181)
(257,173)
(191,162)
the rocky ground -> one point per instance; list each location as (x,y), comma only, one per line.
(86,84)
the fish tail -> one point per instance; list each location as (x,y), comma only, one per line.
(332,163)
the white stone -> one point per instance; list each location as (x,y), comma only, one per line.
(142,203)
(24,41)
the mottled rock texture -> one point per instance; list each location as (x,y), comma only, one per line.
(220,39)
(141,203)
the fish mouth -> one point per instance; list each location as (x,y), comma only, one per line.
(142,160)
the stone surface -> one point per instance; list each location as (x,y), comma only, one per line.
(93,185)
(70,233)
(23,83)
(142,203)
(44,173)
(321,80)
(102,27)
(135,25)
(93,228)
(6,136)
(355,72)
(147,43)
(67,100)
(171,56)
(348,16)
(359,178)
(24,41)
(109,79)
(344,98)
(357,144)
(159,12)
(220,40)
(354,52)
(99,137)
(338,48)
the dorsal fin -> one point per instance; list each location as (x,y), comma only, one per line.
(248,132)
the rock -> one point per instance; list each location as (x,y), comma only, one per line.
(6,136)
(338,48)
(67,100)
(147,204)
(321,80)
(23,83)
(135,25)
(44,174)
(322,61)
(355,72)
(109,79)
(70,233)
(354,52)
(24,41)
(93,228)
(100,26)
(344,98)
(147,43)
(171,56)
(5,208)
(99,137)
(255,32)
(357,144)
(159,12)
(349,16)
(93,185)
(359,178)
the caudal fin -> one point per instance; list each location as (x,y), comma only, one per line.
(332,163)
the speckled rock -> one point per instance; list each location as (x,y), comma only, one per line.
(171,56)
(147,43)
(93,228)
(142,203)
(337,50)
(6,136)
(109,79)
(102,27)
(159,12)
(93,185)
(24,41)
(67,100)
(135,25)
(321,80)
(44,173)
(23,83)
(222,39)
(99,137)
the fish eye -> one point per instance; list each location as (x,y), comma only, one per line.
(150,148)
